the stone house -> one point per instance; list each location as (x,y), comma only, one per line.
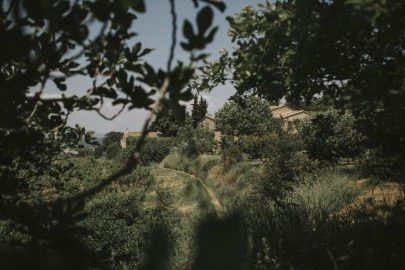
(208,122)
(289,115)
(135,134)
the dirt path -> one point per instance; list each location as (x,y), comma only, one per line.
(219,209)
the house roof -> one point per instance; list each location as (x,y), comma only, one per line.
(151,134)
(285,111)
(210,117)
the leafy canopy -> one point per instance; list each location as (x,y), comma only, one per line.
(44,45)
(349,52)
(248,116)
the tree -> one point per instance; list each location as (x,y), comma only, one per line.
(250,116)
(349,52)
(106,146)
(192,141)
(112,137)
(329,136)
(199,110)
(169,124)
(47,43)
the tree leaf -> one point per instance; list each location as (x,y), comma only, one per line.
(211,35)
(139,5)
(204,20)
(218,4)
(145,52)
(188,30)
(60,84)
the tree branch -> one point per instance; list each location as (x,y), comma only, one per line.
(174,30)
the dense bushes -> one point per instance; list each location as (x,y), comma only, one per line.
(124,232)
(154,150)
(305,231)
(112,150)
(111,138)
(194,141)
(330,136)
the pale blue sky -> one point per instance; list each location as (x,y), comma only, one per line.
(154,30)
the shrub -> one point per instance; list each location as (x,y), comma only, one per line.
(281,167)
(321,194)
(154,150)
(193,142)
(111,138)
(230,155)
(303,231)
(174,161)
(329,136)
(113,150)
(118,227)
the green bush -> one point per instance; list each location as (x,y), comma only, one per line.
(321,194)
(306,230)
(173,161)
(281,167)
(111,138)
(194,141)
(330,136)
(154,150)
(231,155)
(113,150)
(118,226)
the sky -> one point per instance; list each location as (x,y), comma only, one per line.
(154,31)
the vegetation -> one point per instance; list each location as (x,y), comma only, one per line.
(250,116)
(169,124)
(50,42)
(193,142)
(330,136)
(348,52)
(199,110)
(272,198)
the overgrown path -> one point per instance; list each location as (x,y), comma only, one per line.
(219,209)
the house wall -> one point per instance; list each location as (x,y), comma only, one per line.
(207,123)
(299,116)
(127,134)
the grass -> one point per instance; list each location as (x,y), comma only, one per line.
(320,195)
(329,219)
(228,184)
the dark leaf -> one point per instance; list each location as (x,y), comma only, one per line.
(211,35)
(188,30)
(102,9)
(60,84)
(204,20)
(200,57)
(139,5)
(145,52)
(218,4)
(106,92)
(136,48)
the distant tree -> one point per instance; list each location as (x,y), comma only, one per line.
(169,124)
(112,137)
(194,141)
(199,110)
(250,116)
(330,135)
